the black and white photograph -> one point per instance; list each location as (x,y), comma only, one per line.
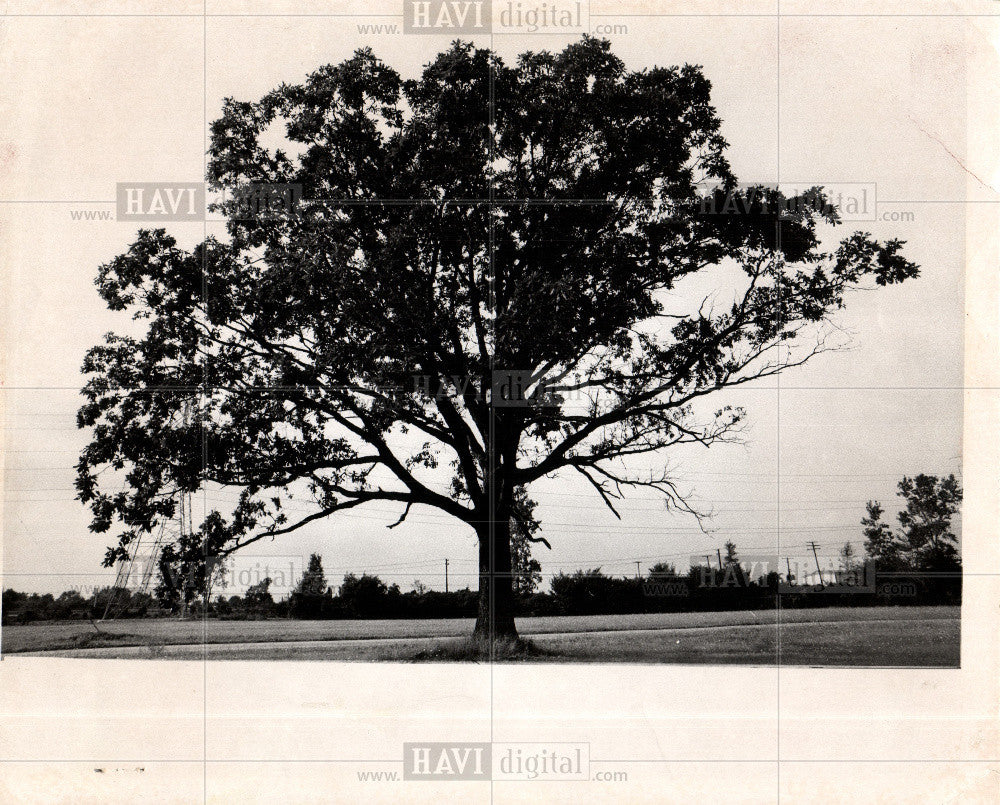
(500,400)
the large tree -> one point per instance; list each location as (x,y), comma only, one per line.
(313,581)
(882,546)
(926,541)
(931,502)
(494,274)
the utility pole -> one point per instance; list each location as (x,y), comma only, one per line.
(788,564)
(446,575)
(718,553)
(708,561)
(638,572)
(813,546)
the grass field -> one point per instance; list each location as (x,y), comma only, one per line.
(896,636)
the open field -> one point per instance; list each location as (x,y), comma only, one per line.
(900,636)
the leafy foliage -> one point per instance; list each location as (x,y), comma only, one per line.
(880,543)
(931,502)
(544,217)
(313,581)
(927,541)
(526,570)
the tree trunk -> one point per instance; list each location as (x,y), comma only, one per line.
(495,619)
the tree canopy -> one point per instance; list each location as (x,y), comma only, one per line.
(926,540)
(481,225)
(313,581)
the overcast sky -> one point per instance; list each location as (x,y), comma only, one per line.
(98,101)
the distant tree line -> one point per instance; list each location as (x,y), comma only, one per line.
(72,605)
(584,592)
(918,564)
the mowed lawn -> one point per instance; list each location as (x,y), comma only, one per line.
(893,636)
